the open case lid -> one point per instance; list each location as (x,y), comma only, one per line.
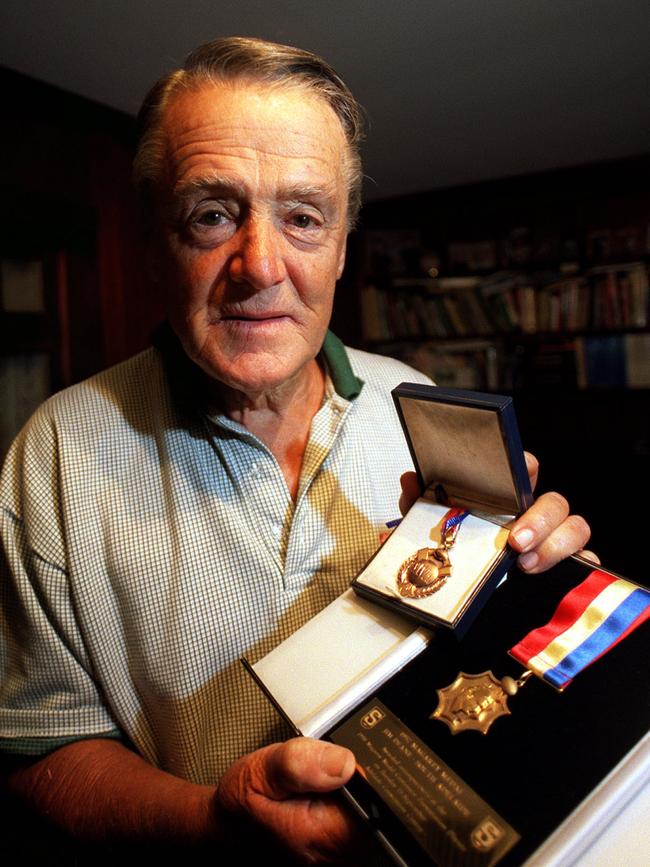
(469,443)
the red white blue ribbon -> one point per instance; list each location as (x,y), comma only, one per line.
(591,619)
(453,519)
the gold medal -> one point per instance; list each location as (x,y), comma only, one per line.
(603,604)
(474,701)
(426,571)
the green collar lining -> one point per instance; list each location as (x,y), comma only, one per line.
(340,370)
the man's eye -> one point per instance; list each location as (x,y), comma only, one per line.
(211,218)
(209,224)
(302,221)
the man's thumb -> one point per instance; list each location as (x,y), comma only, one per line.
(305,765)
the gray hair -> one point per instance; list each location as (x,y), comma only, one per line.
(249,60)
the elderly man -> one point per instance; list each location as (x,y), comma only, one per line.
(204,499)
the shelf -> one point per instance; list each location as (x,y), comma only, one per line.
(511,337)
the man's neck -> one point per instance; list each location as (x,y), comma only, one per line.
(281,418)
(244,407)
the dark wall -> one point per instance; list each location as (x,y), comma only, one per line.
(66,197)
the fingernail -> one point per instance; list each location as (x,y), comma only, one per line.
(528,561)
(334,761)
(523,537)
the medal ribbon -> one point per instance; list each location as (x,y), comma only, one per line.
(591,619)
(453,519)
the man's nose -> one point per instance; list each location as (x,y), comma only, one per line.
(257,259)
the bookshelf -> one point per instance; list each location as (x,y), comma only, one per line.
(515,284)
(513,329)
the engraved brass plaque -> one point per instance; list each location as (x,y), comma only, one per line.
(449,820)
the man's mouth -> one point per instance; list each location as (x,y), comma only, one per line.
(247,323)
(266,316)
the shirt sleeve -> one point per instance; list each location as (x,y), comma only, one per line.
(47,693)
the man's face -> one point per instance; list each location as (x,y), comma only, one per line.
(253,210)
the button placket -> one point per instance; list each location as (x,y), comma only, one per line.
(270,502)
(326,428)
(263,489)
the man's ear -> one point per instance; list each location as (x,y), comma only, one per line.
(341,262)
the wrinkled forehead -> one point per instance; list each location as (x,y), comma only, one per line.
(281,119)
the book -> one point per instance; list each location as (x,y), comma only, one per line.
(605,361)
(637,360)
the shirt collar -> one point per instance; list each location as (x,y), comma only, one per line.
(337,361)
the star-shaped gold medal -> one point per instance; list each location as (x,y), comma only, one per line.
(472,703)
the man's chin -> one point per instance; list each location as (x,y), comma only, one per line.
(255,374)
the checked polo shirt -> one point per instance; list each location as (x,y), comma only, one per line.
(150,542)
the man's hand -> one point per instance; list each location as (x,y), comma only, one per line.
(283,789)
(545,534)
(276,801)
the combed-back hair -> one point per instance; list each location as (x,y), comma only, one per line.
(238,58)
